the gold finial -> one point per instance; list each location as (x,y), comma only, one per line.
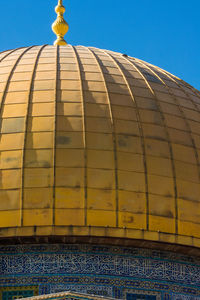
(60,26)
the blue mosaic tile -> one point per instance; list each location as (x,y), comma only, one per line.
(101,270)
(10,295)
(141,296)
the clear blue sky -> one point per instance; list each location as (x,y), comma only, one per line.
(164,33)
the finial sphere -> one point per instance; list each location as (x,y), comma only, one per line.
(60,26)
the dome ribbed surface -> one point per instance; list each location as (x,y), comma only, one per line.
(93,139)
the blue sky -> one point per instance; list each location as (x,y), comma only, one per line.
(164,33)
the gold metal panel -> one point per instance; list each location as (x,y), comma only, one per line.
(183,153)
(131,181)
(11,141)
(161,185)
(126,127)
(10,159)
(67,75)
(69,217)
(159,166)
(170,109)
(156,147)
(43,96)
(101,218)
(95,97)
(9,199)
(154,131)
(100,159)
(40,124)
(69,177)
(188,212)
(69,96)
(188,190)
(36,198)
(38,140)
(176,122)
(13,125)
(124,113)
(24,68)
(73,85)
(44,75)
(18,86)
(38,158)
(14,110)
(129,143)
(69,123)
(86,142)
(70,158)
(118,88)
(43,109)
(158,223)
(38,177)
(101,199)
(134,202)
(40,85)
(186,171)
(10,218)
(93,86)
(15,97)
(189,228)
(91,76)
(123,100)
(180,137)
(37,217)
(163,206)
(69,198)
(69,109)
(99,141)
(98,125)
(97,110)
(23,76)
(194,126)
(67,67)
(101,178)
(130,162)
(10,179)
(131,220)
(146,103)
(69,140)
(46,67)
(150,116)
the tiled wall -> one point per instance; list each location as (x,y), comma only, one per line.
(101,270)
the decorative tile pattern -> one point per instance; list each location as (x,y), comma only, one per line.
(11,293)
(101,270)
(141,296)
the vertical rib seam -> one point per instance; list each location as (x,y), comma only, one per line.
(26,127)
(142,138)
(113,134)
(168,141)
(84,134)
(54,131)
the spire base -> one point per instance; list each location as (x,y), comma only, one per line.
(60,42)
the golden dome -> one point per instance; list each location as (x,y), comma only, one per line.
(96,143)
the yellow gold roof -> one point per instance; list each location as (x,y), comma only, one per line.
(97,143)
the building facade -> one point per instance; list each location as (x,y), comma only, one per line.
(100,178)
